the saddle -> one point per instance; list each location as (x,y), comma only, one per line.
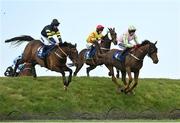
(120,55)
(89,54)
(43,51)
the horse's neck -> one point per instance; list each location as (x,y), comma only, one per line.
(106,43)
(64,50)
(142,51)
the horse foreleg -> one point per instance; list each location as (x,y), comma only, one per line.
(78,67)
(136,75)
(123,74)
(89,69)
(63,78)
(128,69)
(70,75)
(34,71)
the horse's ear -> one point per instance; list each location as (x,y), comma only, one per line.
(75,45)
(113,29)
(155,43)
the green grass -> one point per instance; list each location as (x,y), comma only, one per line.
(92,95)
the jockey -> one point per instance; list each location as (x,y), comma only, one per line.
(125,41)
(93,37)
(50,35)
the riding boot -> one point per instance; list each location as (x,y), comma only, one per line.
(124,51)
(44,51)
(92,51)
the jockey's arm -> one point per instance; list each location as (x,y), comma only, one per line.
(136,40)
(52,41)
(91,38)
(50,37)
(126,42)
(59,36)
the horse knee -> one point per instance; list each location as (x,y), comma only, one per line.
(70,71)
(109,74)
(75,74)
(135,84)
(130,80)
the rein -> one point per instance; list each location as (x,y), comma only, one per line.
(102,48)
(60,55)
(136,56)
(62,51)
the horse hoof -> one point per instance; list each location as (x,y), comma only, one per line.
(65,88)
(132,93)
(117,76)
(120,90)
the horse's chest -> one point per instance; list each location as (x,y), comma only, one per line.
(136,66)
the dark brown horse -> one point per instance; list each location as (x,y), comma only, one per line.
(55,61)
(133,62)
(105,47)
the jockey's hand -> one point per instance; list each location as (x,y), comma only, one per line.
(135,46)
(98,39)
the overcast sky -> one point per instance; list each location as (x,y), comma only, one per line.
(155,20)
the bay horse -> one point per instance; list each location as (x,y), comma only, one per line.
(55,61)
(105,45)
(133,63)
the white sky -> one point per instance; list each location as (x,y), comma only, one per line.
(154,20)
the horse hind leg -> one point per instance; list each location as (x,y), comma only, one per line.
(117,75)
(88,69)
(114,78)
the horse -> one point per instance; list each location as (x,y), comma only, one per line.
(26,71)
(105,47)
(133,62)
(55,60)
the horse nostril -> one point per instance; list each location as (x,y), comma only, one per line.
(156,61)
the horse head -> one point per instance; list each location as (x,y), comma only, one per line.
(152,50)
(112,35)
(72,52)
(108,38)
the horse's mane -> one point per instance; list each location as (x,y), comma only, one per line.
(145,42)
(66,44)
(151,44)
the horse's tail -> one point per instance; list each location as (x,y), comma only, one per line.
(20,39)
